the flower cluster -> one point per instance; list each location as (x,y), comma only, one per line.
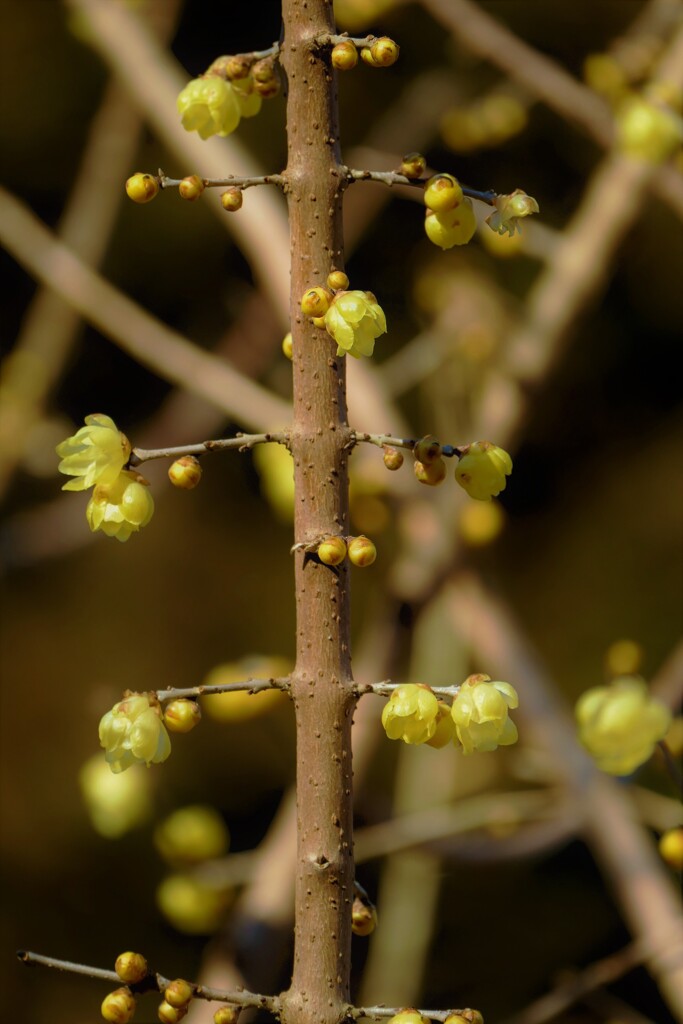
(121,502)
(354,319)
(620,724)
(133,732)
(232,88)
(477,719)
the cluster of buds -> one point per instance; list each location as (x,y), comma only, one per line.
(359,550)
(121,503)
(449,217)
(482,468)
(477,720)
(376,53)
(353,319)
(232,88)
(621,724)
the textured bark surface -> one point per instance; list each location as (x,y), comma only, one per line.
(321,683)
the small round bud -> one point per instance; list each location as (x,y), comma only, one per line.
(465,1017)
(191,187)
(363,917)
(442,192)
(409,1016)
(231,199)
(287,346)
(332,550)
(182,715)
(142,188)
(316,301)
(362,551)
(337,280)
(168,1014)
(179,993)
(671,848)
(413,165)
(384,52)
(263,70)
(367,58)
(119,1006)
(185,472)
(432,474)
(226,1015)
(237,67)
(427,450)
(266,90)
(131,967)
(344,55)
(393,458)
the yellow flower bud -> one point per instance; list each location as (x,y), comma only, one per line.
(120,508)
(131,967)
(384,52)
(191,187)
(367,58)
(226,1015)
(287,346)
(480,713)
(393,458)
(453,227)
(620,724)
(671,848)
(445,727)
(336,280)
(465,1017)
(411,714)
(482,470)
(413,165)
(133,732)
(178,993)
(316,301)
(191,835)
(95,454)
(332,551)
(168,1014)
(232,199)
(442,193)
(427,450)
(142,188)
(237,67)
(362,552)
(182,715)
(355,320)
(432,474)
(344,55)
(409,1017)
(119,1006)
(185,472)
(363,917)
(318,321)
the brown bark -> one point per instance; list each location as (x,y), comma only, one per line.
(321,683)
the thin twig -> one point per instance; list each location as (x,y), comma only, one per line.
(448,450)
(250,685)
(232,179)
(242,442)
(392,178)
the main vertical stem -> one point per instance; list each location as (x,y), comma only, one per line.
(322,686)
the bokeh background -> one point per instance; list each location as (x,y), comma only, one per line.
(581,551)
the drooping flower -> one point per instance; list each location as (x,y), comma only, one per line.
(95,454)
(120,508)
(510,209)
(620,724)
(482,469)
(133,732)
(445,727)
(480,713)
(210,106)
(354,320)
(411,714)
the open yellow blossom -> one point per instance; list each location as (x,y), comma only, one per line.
(445,727)
(620,724)
(480,713)
(354,320)
(133,732)
(482,469)
(411,714)
(210,106)
(510,210)
(95,454)
(120,508)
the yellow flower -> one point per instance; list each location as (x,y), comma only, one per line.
(95,454)
(210,106)
(482,470)
(115,803)
(354,320)
(411,714)
(452,227)
(133,732)
(120,508)
(445,727)
(248,98)
(480,713)
(509,211)
(620,724)
(648,130)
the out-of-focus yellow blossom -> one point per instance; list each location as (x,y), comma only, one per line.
(480,523)
(275,468)
(623,658)
(120,508)
(354,320)
(510,210)
(411,714)
(190,905)
(482,470)
(620,724)
(648,130)
(445,727)
(671,848)
(354,15)
(453,227)
(133,732)
(240,705)
(192,834)
(480,713)
(209,106)
(95,454)
(115,803)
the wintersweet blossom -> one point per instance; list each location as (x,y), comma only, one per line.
(510,209)
(133,732)
(411,714)
(210,106)
(95,454)
(445,727)
(354,320)
(120,508)
(620,724)
(482,469)
(452,227)
(480,713)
